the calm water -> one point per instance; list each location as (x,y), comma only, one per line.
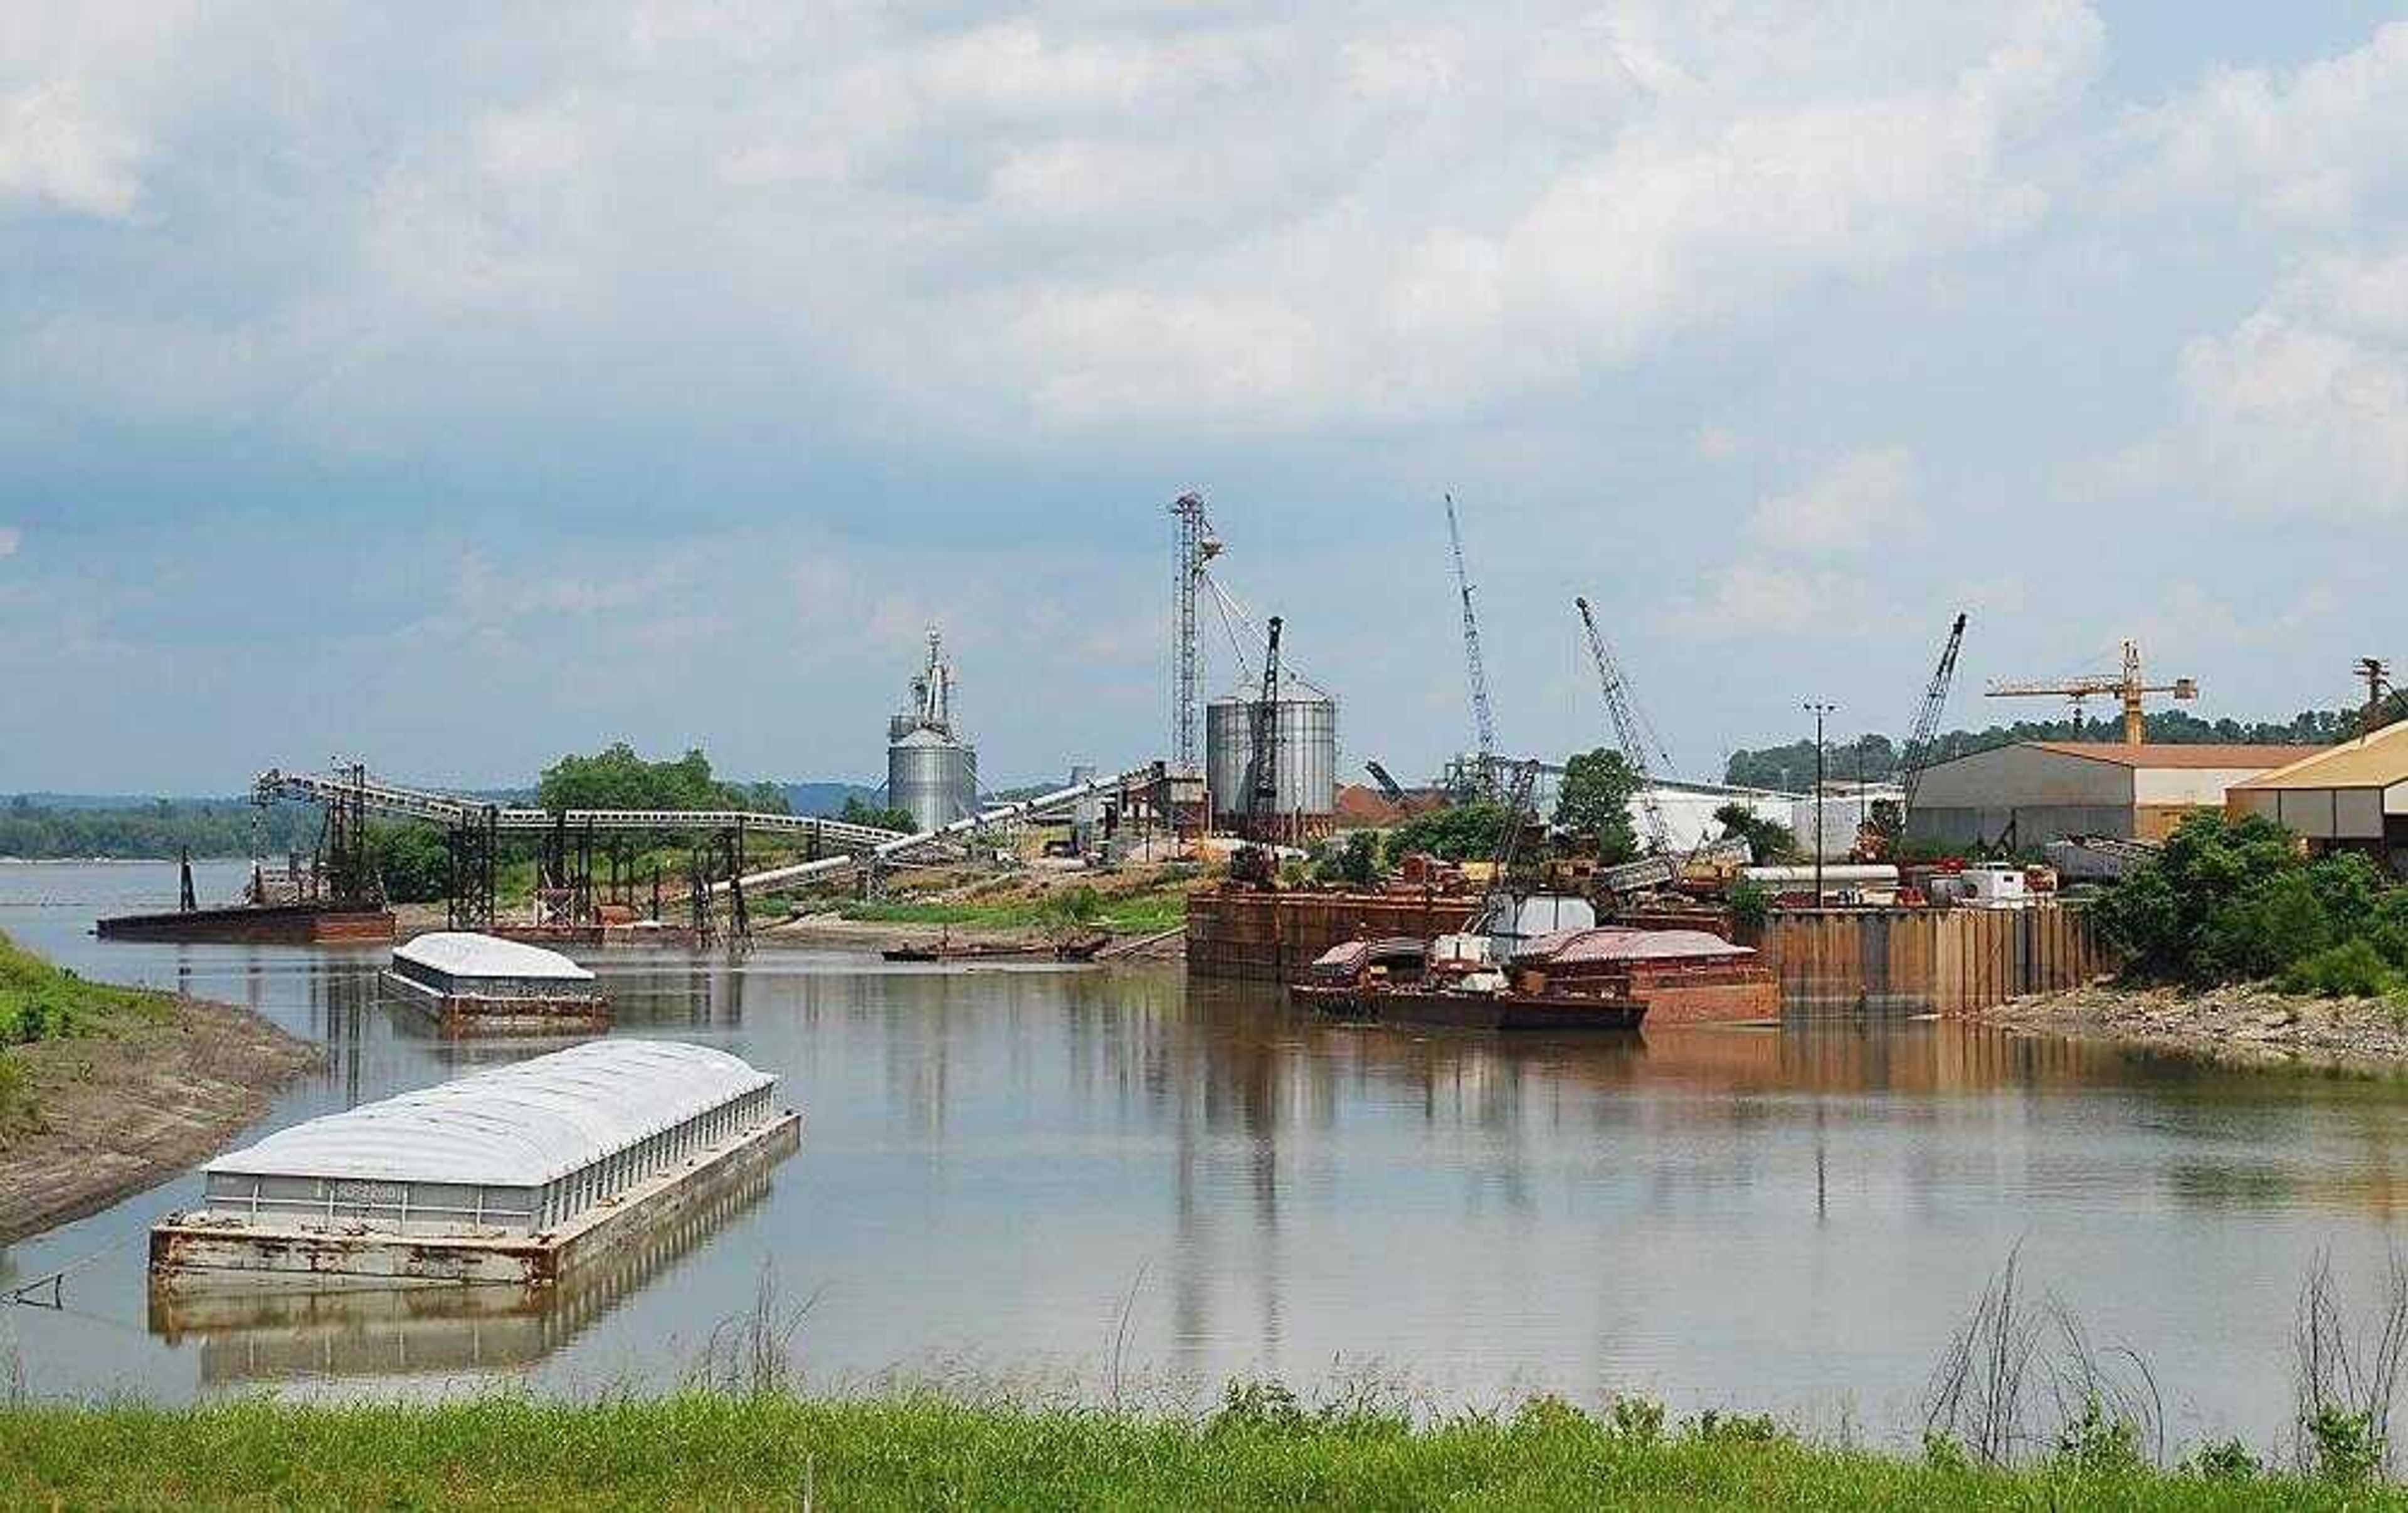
(997,1162)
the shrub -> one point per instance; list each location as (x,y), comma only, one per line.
(2224,1460)
(2347,1445)
(2098,1445)
(1636,1419)
(2353,969)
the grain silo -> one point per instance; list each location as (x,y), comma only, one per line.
(931,771)
(1304,745)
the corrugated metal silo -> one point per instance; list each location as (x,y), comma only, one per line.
(933,776)
(1307,742)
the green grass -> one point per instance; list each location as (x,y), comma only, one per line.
(41,1001)
(1135,913)
(707,1451)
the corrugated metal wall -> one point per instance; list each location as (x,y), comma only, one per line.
(1928,960)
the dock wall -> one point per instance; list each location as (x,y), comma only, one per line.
(1926,960)
(1273,937)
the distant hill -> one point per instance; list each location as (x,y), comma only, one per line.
(828,797)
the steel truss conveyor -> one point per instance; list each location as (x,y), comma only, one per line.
(391,800)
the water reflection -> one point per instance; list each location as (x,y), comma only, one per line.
(998,1160)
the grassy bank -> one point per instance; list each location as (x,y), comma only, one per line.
(40,1002)
(1133,911)
(712,1450)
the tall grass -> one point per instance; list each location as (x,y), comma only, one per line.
(1261,1450)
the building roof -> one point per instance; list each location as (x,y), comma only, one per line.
(2176,754)
(2370,761)
(460,953)
(514,1126)
(1621,943)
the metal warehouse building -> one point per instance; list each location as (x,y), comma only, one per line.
(2036,791)
(2353,795)
(517,1150)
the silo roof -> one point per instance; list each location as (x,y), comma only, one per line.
(461,953)
(514,1126)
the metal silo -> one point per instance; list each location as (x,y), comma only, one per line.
(933,776)
(1307,740)
(931,771)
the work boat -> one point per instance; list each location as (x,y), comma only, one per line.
(1474,978)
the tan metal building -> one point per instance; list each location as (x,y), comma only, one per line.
(2036,791)
(2353,794)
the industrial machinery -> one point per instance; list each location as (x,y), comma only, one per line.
(2127,685)
(1926,724)
(931,771)
(1628,734)
(1262,762)
(1483,719)
(1196,546)
(1389,787)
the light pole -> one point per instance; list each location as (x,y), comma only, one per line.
(1819,710)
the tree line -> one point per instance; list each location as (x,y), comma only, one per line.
(1876,757)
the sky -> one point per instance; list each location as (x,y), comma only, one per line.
(452,387)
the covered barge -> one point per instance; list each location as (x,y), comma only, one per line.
(474,983)
(515,1175)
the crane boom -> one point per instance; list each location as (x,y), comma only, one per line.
(2127,685)
(1483,721)
(1627,733)
(1262,758)
(1927,723)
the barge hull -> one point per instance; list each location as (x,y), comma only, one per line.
(188,1254)
(277,924)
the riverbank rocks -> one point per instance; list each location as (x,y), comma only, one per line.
(2254,1023)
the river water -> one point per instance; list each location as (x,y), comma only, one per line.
(1061,1179)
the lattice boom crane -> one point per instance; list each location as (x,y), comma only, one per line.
(1484,720)
(1627,733)
(1927,723)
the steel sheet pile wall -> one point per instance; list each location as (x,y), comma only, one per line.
(1273,937)
(1928,960)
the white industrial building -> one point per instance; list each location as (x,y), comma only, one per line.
(1688,809)
(2033,792)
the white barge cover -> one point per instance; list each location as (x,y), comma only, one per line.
(517,1126)
(464,953)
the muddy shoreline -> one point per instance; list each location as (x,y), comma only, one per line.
(2247,1025)
(117,1113)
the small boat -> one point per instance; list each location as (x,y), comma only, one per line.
(1082,948)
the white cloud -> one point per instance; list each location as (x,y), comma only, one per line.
(2315,144)
(11,537)
(2302,407)
(1090,220)
(79,88)
(1856,504)
(1752,599)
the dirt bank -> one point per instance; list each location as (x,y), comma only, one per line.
(2250,1025)
(118,1113)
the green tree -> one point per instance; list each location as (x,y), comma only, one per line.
(618,778)
(1769,840)
(1461,832)
(1595,803)
(889,817)
(413,862)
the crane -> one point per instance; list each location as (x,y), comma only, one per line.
(1484,722)
(2127,685)
(1927,723)
(1262,758)
(1627,733)
(1389,786)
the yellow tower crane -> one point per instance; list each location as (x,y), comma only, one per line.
(2127,685)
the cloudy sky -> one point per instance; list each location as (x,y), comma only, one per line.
(457,389)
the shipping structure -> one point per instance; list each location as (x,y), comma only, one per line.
(515,1175)
(931,770)
(474,983)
